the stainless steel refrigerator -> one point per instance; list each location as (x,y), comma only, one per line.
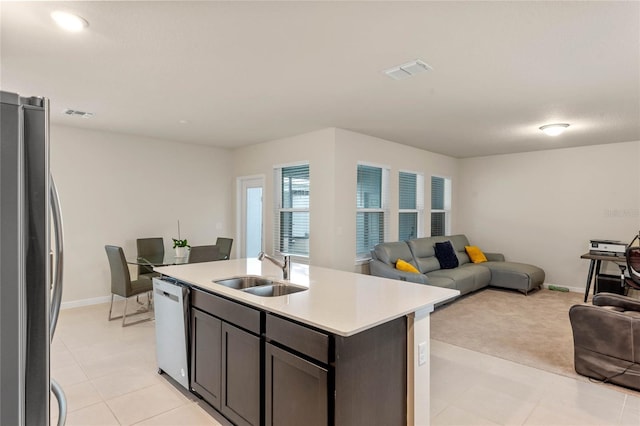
(30,263)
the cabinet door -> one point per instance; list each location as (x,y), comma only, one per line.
(206,360)
(295,390)
(241,376)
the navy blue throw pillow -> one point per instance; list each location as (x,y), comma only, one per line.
(446,255)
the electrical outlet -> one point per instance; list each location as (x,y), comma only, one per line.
(422,353)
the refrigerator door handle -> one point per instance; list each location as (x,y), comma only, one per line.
(56,299)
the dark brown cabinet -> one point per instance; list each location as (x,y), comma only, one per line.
(295,390)
(206,378)
(258,368)
(314,378)
(241,379)
(226,359)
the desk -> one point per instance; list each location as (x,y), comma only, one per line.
(596,263)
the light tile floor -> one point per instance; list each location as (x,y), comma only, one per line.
(110,377)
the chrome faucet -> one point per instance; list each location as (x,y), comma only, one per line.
(284,264)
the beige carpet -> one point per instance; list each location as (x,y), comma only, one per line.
(533,330)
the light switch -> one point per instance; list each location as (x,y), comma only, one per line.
(422,353)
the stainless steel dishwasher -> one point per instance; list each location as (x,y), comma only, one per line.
(171,304)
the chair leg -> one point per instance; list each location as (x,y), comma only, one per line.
(124,312)
(111,308)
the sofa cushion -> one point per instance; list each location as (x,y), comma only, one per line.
(518,276)
(389,253)
(464,278)
(475,254)
(424,253)
(406,267)
(446,255)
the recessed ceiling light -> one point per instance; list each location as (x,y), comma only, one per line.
(407,70)
(554,129)
(68,21)
(183,121)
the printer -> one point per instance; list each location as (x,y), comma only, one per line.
(607,247)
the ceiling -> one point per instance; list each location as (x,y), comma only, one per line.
(242,73)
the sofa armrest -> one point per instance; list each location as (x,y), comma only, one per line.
(494,257)
(381,269)
(618,300)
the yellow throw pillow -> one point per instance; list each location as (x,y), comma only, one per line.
(406,267)
(475,254)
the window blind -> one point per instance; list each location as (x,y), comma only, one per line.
(440,204)
(292,215)
(410,205)
(371,204)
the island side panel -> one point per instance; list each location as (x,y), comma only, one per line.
(418,370)
(371,376)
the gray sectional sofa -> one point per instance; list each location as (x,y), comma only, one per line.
(467,277)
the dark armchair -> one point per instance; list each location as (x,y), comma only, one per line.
(224,244)
(606,339)
(123,286)
(199,254)
(151,249)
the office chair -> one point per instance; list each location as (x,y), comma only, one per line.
(224,244)
(151,249)
(122,285)
(199,254)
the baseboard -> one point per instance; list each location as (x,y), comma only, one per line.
(85,302)
(571,289)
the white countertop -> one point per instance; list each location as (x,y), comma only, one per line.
(342,303)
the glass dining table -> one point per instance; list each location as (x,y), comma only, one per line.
(166,260)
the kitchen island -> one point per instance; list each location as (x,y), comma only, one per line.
(347,338)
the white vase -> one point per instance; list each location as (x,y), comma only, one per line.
(181,252)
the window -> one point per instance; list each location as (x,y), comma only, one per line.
(292,210)
(411,205)
(440,206)
(371,205)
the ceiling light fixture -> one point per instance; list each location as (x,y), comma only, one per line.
(68,21)
(76,113)
(408,70)
(554,129)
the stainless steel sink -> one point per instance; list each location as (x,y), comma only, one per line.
(241,283)
(273,290)
(260,286)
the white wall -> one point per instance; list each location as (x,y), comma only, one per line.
(353,147)
(544,207)
(333,155)
(115,188)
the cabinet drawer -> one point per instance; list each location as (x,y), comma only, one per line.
(298,337)
(232,312)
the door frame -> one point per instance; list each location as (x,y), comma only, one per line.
(241,216)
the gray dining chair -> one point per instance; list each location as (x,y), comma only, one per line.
(121,284)
(151,249)
(224,244)
(199,254)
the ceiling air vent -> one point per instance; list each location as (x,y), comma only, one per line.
(77,113)
(407,70)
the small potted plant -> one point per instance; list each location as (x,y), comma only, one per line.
(180,246)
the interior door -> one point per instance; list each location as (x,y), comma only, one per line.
(251,221)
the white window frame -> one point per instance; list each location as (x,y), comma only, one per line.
(419,210)
(277,183)
(447,205)
(362,258)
